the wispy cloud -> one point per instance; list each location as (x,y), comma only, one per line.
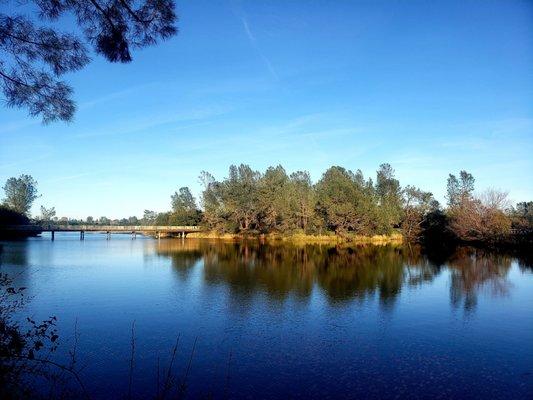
(251,37)
(114,95)
(17,125)
(71,177)
(139,125)
(310,133)
(30,122)
(26,161)
(235,85)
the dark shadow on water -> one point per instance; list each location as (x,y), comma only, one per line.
(14,252)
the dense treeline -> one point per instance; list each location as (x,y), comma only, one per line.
(346,203)
(342,202)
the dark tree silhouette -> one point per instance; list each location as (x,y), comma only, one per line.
(33,58)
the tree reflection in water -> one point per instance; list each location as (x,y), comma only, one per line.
(472,270)
(343,273)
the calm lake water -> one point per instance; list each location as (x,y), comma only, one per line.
(284,321)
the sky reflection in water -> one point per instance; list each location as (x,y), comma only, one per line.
(298,321)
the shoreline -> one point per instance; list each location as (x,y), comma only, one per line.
(300,238)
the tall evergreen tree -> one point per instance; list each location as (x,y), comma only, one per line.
(184,209)
(343,201)
(302,200)
(274,200)
(390,199)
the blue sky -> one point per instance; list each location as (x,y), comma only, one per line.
(430,87)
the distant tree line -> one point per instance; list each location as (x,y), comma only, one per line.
(342,202)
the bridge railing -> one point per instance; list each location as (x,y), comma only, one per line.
(102,228)
(125,228)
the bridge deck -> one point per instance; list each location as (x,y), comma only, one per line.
(102,228)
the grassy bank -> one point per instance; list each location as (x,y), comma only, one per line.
(302,238)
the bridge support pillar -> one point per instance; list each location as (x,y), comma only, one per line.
(53,235)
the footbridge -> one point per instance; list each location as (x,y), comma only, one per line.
(156,230)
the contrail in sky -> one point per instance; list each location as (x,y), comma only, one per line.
(253,41)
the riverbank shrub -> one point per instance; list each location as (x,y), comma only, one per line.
(9,216)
